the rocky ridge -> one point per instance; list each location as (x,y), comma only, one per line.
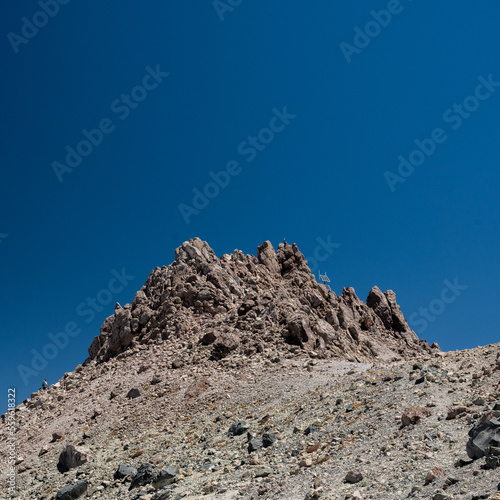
(241,303)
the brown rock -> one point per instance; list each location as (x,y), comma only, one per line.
(413,415)
(493,414)
(198,388)
(454,411)
(353,476)
(273,293)
(433,474)
(267,256)
(57,435)
(312,448)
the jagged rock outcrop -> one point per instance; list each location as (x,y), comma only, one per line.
(484,439)
(242,303)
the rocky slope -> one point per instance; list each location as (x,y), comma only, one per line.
(242,378)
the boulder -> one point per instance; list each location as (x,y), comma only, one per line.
(353,476)
(147,474)
(70,458)
(143,476)
(483,436)
(124,470)
(225,343)
(164,477)
(72,491)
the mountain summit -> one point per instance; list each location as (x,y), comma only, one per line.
(242,304)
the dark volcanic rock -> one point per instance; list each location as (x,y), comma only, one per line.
(144,476)
(72,491)
(484,438)
(268,439)
(237,428)
(164,477)
(70,458)
(255,444)
(124,470)
(133,393)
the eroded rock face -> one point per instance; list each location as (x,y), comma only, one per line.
(245,304)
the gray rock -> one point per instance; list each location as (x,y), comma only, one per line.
(144,476)
(311,429)
(439,495)
(57,435)
(124,470)
(237,428)
(164,477)
(263,471)
(164,494)
(482,436)
(70,457)
(493,456)
(268,439)
(133,393)
(255,444)
(147,474)
(353,476)
(72,491)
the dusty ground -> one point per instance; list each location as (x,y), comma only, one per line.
(329,417)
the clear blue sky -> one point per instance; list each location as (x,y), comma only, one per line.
(307,123)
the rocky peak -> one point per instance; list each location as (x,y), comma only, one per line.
(242,304)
